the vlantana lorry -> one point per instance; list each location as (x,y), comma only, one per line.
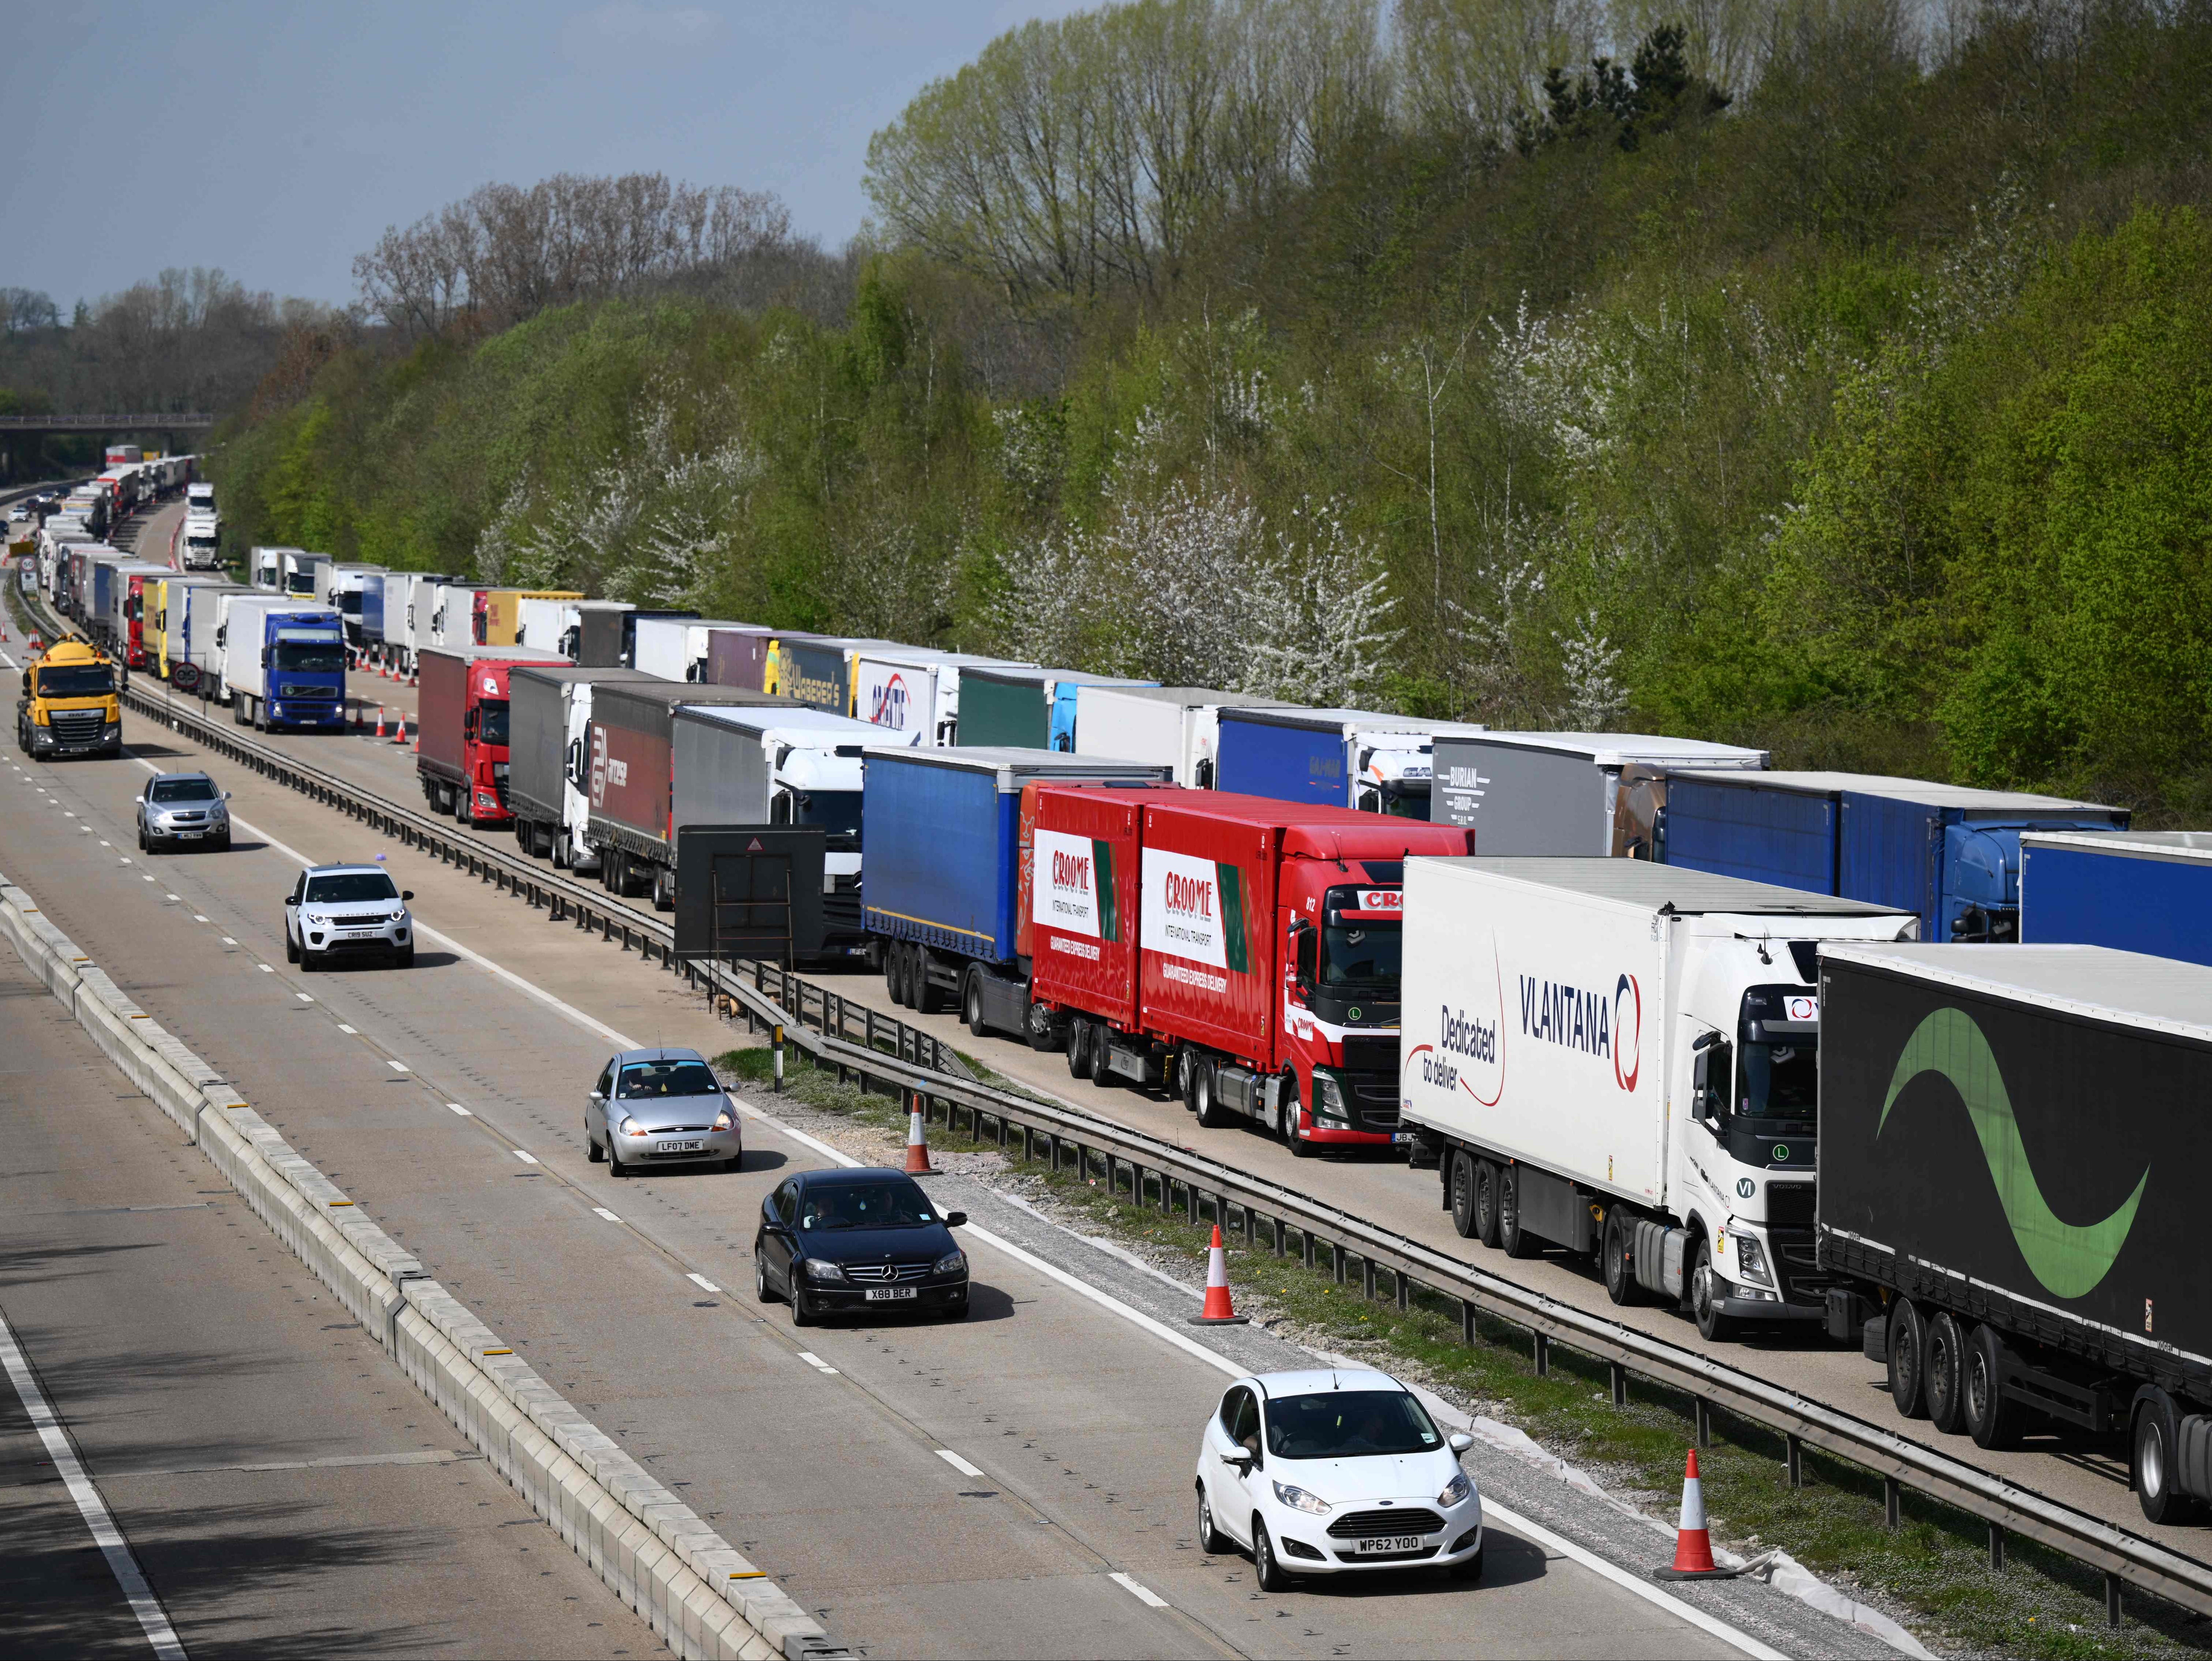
(2012,1143)
(1240,950)
(283,662)
(1618,1057)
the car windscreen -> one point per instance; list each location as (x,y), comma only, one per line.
(491,721)
(350,889)
(310,657)
(76,681)
(1339,1424)
(644,1081)
(181,790)
(894,1203)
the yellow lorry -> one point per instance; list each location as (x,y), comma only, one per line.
(70,704)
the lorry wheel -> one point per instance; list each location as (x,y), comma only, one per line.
(928,996)
(895,974)
(1617,1255)
(1991,1420)
(1945,1368)
(1102,1057)
(1079,1047)
(664,888)
(971,1004)
(2153,1465)
(1487,1209)
(1514,1240)
(1186,1077)
(1713,1326)
(1292,1104)
(1462,1194)
(1206,1092)
(1908,1353)
(461,807)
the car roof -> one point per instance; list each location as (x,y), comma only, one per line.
(164,777)
(658,1055)
(833,1175)
(1319,1380)
(346,871)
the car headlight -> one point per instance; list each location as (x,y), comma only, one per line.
(399,917)
(1751,1258)
(1298,1500)
(1456,1490)
(1329,1098)
(631,1127)
(821,1268)
(954,1262)
(723,1121)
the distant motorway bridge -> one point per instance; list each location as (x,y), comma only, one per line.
(129,422)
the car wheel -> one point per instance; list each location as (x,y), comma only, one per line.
(1714,1326)
(615,1168)
(761,1288)
(801,1314)
(1908,1355)
(404,959)
(1618,1254)
(1267,1570)
(291,947)
(593,1154)
(142,838)
(1205,1087)
(1462,1194)
(1513,1239)
(308,962)
(1210,1540)
(1946,1364)
(1991,1420)
(971,999)
(1486,1208)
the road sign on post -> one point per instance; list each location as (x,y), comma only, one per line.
(747,892)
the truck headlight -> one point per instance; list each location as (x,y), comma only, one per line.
(1750,1259)
(1329,1098)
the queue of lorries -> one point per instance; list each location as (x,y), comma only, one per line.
(1916,1065)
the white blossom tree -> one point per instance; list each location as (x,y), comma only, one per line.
(1322,612)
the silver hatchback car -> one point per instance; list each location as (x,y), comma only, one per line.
(179,807)
(661,1108)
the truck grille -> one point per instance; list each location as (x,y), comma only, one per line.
(75,726)
(1796,1260)
(291,690)
(1790,1204)
(1367,1524)
(1374,1052)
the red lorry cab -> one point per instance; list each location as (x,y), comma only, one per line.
(1239,949)
(134,613)
(462,762)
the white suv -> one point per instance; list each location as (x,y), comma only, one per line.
(347,910)
(1334,1472)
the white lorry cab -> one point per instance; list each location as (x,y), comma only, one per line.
(1622,1058)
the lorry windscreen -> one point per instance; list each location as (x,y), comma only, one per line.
(1777,1052)
(310,657)
(491,721)
(76,681)
(836,811)
(1364,954)
(1407,799)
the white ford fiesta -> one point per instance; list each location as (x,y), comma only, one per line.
(1331,1472)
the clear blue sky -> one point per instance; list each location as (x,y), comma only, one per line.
(277,141)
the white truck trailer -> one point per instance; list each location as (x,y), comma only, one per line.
(1178,727)
(1621,1057)
(915,689)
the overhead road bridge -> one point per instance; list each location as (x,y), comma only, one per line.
(156,421)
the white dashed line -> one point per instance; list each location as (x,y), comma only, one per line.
(144,878)
(1143,1594)
(462,1111)
(265,969)
(699,1280)
(526,1156)
(197,918)
(958,1463)
(353,1031)
(302,996)
(611,1217)
(227,941)
(397,1066)
(178,897)
(105,843)
(816,1362)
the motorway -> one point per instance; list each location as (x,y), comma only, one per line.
(2088,1473)
(967,1489)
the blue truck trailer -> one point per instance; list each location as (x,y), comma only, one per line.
(1949,853)
(945,842)
(371,613)
(2135,891)
(1334,758)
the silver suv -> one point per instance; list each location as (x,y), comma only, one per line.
(177,807)
(347,910)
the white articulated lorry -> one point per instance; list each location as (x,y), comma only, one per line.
(1621,1057)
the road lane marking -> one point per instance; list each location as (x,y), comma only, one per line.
(817,1363)
(152,1620)
(175,896)
(462,1111)
(398,1066)
(144,877)
(611,1217)
(350,1031)
(526,1156)
(699,1280)
(197,918)
(1143,1594)
(958,1463)
(227,941)
(264,969)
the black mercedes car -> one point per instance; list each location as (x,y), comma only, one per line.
(843,1241)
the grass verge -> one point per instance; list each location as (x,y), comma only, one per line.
(1933,1567)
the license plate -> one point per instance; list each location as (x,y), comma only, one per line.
(1401,1138)
(891,1294)
(683,1147)
(358,934)
(1388,1544)
(191,835)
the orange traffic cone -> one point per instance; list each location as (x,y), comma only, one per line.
(917,1142)
(380,722)
(1693,1546)
(1218,1311)
(402,737)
